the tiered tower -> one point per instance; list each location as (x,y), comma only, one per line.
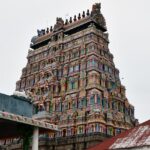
(71,75)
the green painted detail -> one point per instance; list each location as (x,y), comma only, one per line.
(98,99)
(92,100)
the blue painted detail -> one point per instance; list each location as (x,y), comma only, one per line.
(16,105)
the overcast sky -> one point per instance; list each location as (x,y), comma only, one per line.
(128,23)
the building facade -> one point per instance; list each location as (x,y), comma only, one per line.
(71,75)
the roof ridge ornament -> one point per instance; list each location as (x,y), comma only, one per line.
(97,15)
(59,24)
(96,9)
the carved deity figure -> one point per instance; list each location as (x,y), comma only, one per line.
(59,24)
(97,16)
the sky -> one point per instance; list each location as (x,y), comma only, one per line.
(128,23)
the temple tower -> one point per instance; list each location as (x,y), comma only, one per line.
(71,75)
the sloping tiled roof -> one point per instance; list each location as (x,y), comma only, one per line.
(135,137)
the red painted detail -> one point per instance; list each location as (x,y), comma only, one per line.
(135,137)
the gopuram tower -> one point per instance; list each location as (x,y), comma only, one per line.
(70,75)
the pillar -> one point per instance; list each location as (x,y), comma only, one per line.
(95,98)
(35,140)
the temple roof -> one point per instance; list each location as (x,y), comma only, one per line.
(16,112)
(135,137)
(94,16)
(10,125)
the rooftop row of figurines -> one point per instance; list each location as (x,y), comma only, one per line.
(60,22)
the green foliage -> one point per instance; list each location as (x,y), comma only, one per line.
(26,132)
